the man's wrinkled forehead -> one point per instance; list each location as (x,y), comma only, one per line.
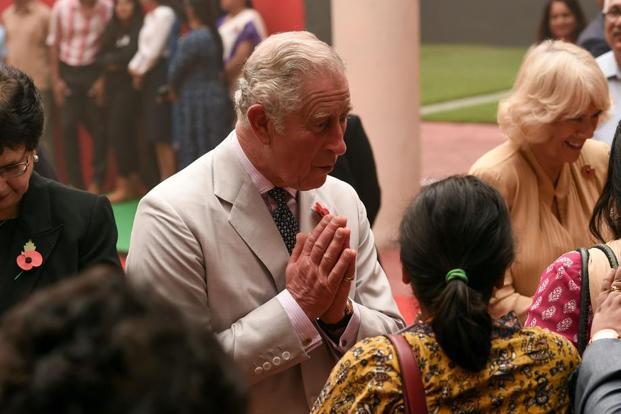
(332,97)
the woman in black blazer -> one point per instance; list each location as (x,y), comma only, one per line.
(47,230)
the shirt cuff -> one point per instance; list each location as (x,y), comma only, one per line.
(350,334)
(303,327)
(137,64)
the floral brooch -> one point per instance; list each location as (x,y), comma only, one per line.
(588,171)
(320,210)
(28,258)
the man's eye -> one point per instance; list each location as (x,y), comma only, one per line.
(322,125)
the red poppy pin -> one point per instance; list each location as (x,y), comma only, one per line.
(588,171)
(28,258)
(320,210)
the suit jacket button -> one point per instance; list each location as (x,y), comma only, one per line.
(276,360)
(267,366)
(286,355)
(258,370)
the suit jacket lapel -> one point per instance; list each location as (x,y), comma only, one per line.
(249,215)
(34,225)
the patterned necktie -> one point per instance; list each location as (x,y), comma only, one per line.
(283,217)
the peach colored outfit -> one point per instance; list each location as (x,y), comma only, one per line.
(547,220)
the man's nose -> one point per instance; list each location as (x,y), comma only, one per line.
(337,138)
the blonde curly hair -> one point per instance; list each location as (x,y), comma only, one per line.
(557,80)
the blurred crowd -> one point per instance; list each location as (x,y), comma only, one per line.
(147,79)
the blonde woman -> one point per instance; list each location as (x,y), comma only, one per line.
(549,172)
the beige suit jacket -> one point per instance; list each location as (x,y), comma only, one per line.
(206,240)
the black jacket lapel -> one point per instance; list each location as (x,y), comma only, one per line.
(34,224)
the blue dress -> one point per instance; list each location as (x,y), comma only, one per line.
(203,113)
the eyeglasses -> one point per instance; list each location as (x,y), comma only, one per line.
(17,169)
(613,13)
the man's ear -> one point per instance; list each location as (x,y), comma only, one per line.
(260,123)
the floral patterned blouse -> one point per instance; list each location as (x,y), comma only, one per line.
(556,304)
(528,371)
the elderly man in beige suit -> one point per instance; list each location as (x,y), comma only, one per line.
(219,237)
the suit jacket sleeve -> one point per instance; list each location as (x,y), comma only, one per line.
(98,245)
(166,255)
(598,388)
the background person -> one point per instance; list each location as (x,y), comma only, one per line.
(561,20)
(111,349)
(119,44)
(610,65)
(75,33)
(27,25)
(219,237)
(149,67)
(357,167)
(592,37)
(47,231)
(456,243)
(242,29)
(202,109)
(549,171)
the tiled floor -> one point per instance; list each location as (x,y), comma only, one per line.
(447,149)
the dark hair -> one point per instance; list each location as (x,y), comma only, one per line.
(136,19)
(207,12)
(544,31)
(21,111)
(607,210)
(93,344)
(459,222)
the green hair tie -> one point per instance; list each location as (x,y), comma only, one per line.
(456,274)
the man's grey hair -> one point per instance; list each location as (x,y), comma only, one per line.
(277,71)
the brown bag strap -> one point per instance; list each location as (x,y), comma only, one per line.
(413,389)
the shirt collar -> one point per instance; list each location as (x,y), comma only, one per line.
(608,65)
(262,184)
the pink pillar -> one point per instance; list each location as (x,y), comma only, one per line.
(379,41)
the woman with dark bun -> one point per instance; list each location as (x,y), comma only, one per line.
(456,244)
